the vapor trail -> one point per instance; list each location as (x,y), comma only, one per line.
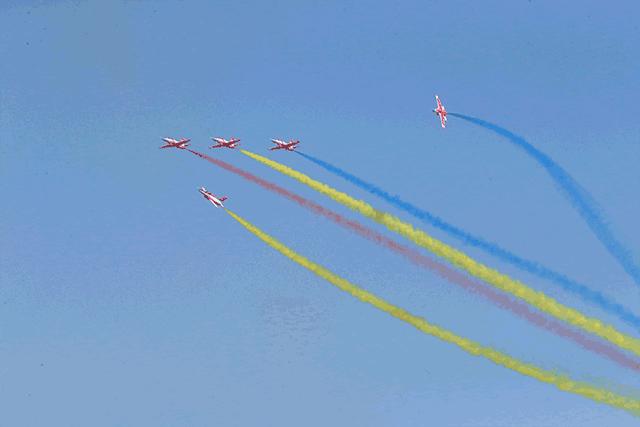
(561,382)
(463,261)
(529,266)
(444,271)
(580,199)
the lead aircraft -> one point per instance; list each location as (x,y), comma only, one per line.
(176,143)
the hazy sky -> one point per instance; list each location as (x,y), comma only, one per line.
(127,300)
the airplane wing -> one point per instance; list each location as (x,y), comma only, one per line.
(443,120)
(439,102)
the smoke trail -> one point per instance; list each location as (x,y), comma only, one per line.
(578,196)
(446,272)
(463,261)
(532,267)
(562,382)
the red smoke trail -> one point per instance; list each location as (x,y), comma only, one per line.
(446,272)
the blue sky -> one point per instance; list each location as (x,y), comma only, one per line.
(127,300)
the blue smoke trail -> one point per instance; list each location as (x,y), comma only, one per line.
(532,267)
(579,198)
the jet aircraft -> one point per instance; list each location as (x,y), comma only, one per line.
(221,142)
(441,111)
(215,201)
(281,145)
(176,143)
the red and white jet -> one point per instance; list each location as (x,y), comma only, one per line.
(177,143)
(215,201)
(281,145)
(221,142)
(441,111)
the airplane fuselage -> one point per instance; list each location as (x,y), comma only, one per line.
(214,201)
(180,146)
(224,146)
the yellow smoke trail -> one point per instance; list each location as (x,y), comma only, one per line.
(463,261)
(560,381)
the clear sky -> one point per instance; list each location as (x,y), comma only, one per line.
(126,300)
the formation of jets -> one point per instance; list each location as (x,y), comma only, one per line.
(232,143)
(220,142)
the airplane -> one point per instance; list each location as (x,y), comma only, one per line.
(281,145)
(215,201)
(441,111)
(221,142)
(177,143)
